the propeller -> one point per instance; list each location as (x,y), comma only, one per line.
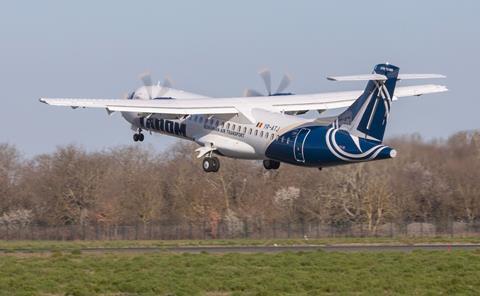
(267,80)
(266,76)
(161,89)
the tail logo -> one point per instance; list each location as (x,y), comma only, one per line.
(339,152)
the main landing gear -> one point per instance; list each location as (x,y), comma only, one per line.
(211,164)
(138,136)
(271,164)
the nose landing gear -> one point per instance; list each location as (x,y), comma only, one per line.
(211,164)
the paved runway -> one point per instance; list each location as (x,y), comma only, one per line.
(271,249)
(327,248)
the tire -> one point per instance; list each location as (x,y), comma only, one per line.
(141,137)
(276,164)
(269,164)
(207,164)
(135,137)
(215,164)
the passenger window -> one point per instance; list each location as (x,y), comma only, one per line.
(250,132)
(233,127)
(216,123)
(272,137)
(261,134)
(266,135)
(256,132)
(228,125)
(245,130)
(239,128)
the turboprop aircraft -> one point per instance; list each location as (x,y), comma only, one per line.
(268,127)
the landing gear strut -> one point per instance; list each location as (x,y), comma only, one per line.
(211,164)
(138,136)
(271,164)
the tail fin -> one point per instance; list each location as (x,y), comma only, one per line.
(367,116)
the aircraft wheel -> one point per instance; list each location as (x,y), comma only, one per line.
(271,164)
(135,137)
(216,164)
(276,164)
(141,137)
(211,164)
(207,164)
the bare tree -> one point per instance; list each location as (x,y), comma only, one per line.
(434,181)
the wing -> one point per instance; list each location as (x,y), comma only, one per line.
(325,101)
(243,105)
(166,106)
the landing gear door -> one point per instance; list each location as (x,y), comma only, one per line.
(299,143)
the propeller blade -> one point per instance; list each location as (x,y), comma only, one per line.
(167,82)
(284,83)
(252,93)
(165,87)
(147,82)
(146,79)
(267,79)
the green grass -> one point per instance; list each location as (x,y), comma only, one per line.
(72,245)
(310,273)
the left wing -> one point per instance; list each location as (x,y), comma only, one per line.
(325,101)
(243,105)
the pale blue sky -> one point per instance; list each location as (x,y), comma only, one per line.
(99,48)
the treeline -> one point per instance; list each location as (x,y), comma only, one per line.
(431,182)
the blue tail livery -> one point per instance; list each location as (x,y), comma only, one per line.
(355,135)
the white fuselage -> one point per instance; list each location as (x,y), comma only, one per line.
(233,137)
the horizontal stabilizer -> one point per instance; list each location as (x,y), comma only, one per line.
(380,77)
(363,77)
(419,76)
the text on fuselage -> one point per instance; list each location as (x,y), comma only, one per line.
(164,125)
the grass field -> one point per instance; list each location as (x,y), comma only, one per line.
(310,273)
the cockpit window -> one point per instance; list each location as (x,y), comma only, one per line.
(130,97)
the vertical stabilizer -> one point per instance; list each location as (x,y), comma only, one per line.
(367,116)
